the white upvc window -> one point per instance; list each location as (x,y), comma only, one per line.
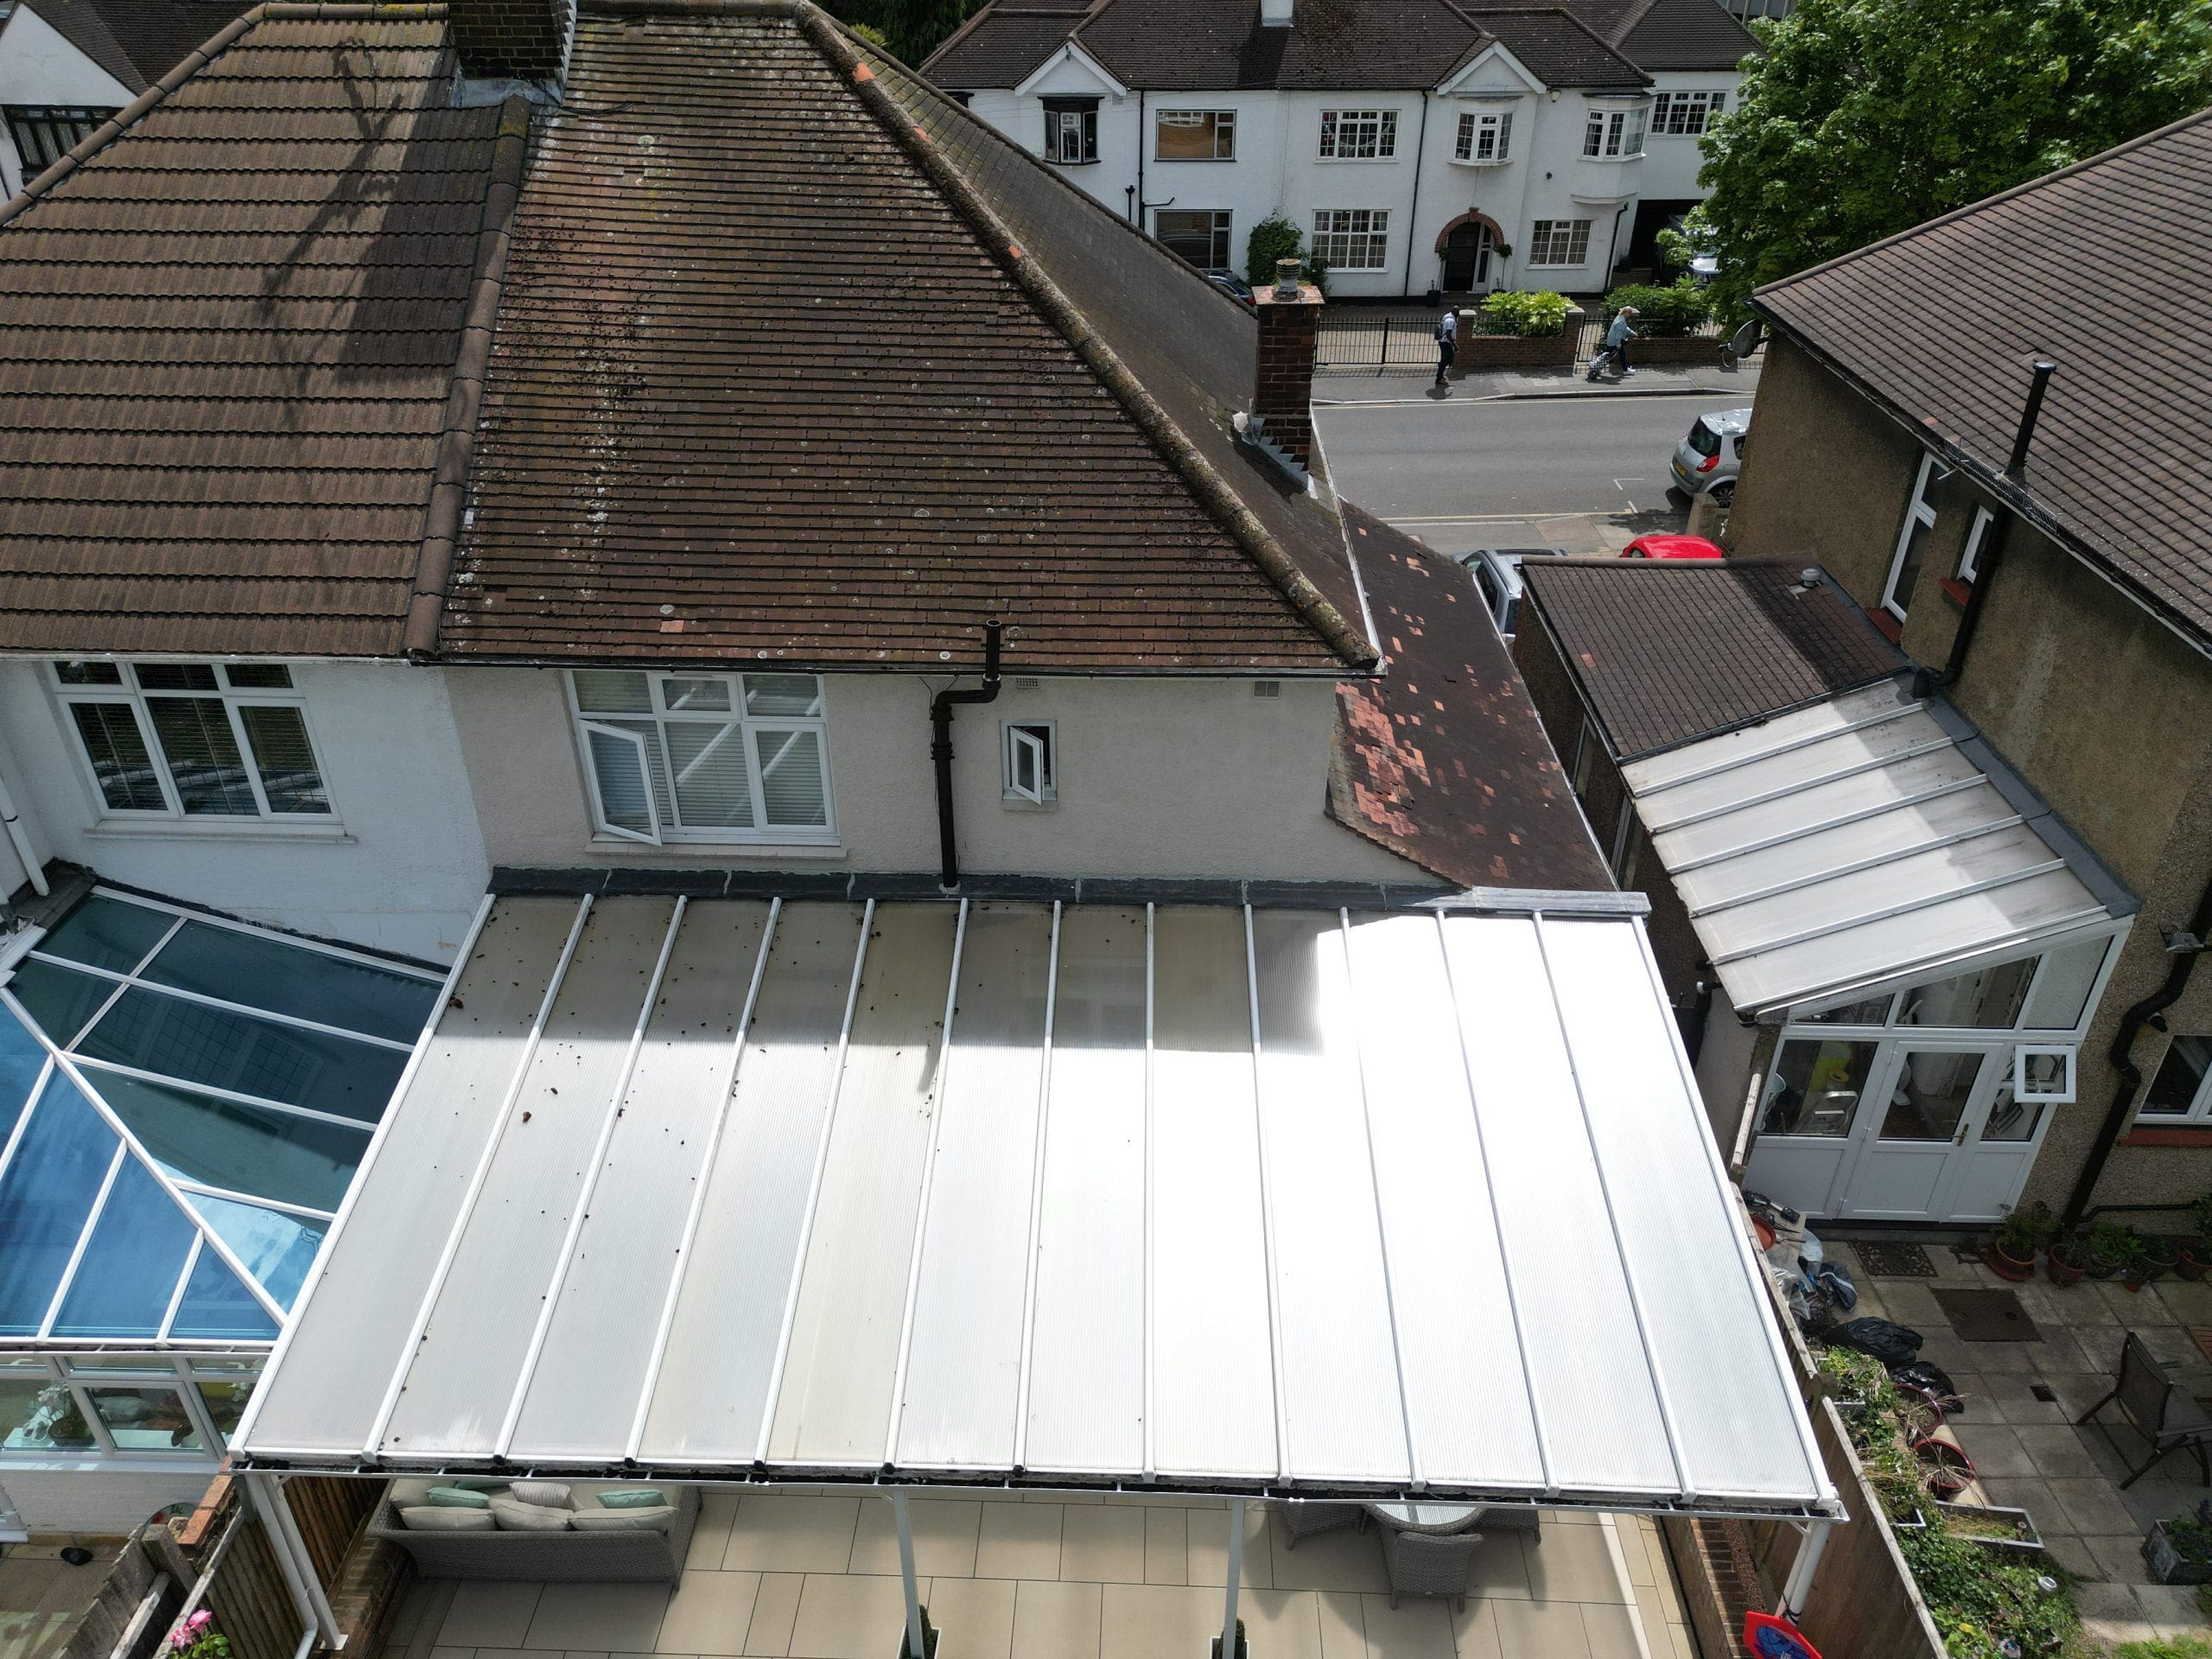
(196,741)
(1353,239)
(722,758)
(1913,539)
(1685,115)
(1614,135)
(2181,1088)
(1031,761)
(1071,131)
(1195,135)
(1558,242)
(1977,537)
(1359,134)
(1484,138)
(1624,842)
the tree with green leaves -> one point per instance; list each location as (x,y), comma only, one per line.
(915,28)
(1865,118)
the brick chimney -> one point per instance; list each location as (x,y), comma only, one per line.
(1282,390)
(512,39)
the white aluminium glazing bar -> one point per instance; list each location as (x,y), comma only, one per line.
(305,1211)
(289,1328)
(259,1103)
(131,981)
(1888,912)
(1876,860)
(1804,741)
(813,1196)
(30,1105)
(527,1372)
(372,1444)
(1151,1343)
(83,1240)
(1037,1202)
(176,1295)
(699,1187)
(1660,826)
(1858,814)
(1275,1372)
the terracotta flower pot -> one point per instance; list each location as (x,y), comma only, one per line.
(2063,1272)
(2196,1259)
(2006,1265)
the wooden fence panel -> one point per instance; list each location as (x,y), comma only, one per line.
(251,1603)
(330,1513)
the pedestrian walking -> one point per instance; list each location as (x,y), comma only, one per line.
(1624,330)
(1447,342)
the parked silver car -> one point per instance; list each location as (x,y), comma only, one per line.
(1710,455)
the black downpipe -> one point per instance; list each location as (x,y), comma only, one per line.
(2185,952)
(941,708)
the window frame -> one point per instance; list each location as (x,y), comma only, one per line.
(1619,862)
(1977,536)
(1920,513)
(1333,123)
(1614,132)
(129,693)
(2199,1111)
(1224,128)
(762,833)
(1470,130)
(1222,236)
(1085,129)
(1376,235)
(1044,736)
(1543,235)
(1671,110)
(22,119)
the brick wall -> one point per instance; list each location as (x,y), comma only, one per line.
(502,40)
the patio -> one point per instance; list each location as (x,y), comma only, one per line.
(43,1598)
(1062,1577)
(2029,1452)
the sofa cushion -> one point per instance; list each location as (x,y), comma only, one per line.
(552,1494)
(633,1497)
(661,1518)
(458,1497)
(513,1515)
(441,1517)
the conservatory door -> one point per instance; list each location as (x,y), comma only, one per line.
(1919,1132)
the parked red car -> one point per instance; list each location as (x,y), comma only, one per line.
(1672,547)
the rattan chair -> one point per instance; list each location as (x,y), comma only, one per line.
(2157,1408)
(1301,1520)
(1429,1564)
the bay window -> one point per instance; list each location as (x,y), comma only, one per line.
(1484,138)
(1614,135)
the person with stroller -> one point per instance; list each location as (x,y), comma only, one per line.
(1617,336)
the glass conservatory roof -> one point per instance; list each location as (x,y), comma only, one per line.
(183,1102)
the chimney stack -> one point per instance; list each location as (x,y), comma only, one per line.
(1276,13)
(510,41)
(1282,389)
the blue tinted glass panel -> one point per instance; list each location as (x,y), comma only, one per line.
(267,1154)
(59,999)
(44,1200)
(108,933)
(21,1057)
(130,1269)
(277,1249)
(198,1044)
(266,973)
(216,1305)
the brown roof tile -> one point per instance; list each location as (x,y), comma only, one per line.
(1668,651)
(1942,322)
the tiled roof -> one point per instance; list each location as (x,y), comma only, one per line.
(1668,651)
(1940,325)
(1442,760)
(780,374)
(1349,45)
(1682,35)
(227,343)
(138,41)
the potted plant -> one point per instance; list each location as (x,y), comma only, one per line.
(197,1638)
(2160,1257)
(2112,1247)
(2012,1248)
(2179,1551)
(2067,1261)
(2196,1251)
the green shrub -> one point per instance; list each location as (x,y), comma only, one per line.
(1542,313)
(2167,1647)
(1978,1599)
(1663,313)
(2027,1230)
(1271,240)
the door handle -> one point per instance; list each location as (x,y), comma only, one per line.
(1959,1139)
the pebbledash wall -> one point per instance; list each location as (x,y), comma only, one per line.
(40,69)
(400,866)
(1278,170)
(1156,777)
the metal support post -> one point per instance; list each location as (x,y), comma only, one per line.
(914,1648)
(293,1558)
(1798,1589)
(1236,1574)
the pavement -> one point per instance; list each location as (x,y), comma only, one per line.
(1414,386)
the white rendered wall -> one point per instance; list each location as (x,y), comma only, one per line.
(96,1504)
(1671,163)
(40,69)
(405,874)
(1157,777)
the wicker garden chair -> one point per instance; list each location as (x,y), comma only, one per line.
(2157,1408)
(1429,1564)
(1301,1520)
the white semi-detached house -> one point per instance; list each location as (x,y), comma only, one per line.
(1416,144)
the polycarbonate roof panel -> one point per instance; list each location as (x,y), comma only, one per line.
(1854,841)
(184,1103)
(1223,1198)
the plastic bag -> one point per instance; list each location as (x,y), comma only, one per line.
(1893,1344)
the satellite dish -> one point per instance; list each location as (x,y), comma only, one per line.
(1746,340)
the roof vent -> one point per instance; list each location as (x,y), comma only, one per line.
(1275,14)
(1027,682)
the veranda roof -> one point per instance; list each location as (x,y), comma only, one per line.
(1216,1198)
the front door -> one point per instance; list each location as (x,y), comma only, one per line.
(1913,1134)
(1466,258)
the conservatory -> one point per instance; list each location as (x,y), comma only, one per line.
(184,1101)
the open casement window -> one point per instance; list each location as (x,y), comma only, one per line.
(718,757)
(1912,540)
(2043,1073)
(1977,538)
(1071,131)
(1030,763)
(194,740)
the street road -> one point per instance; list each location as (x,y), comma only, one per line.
(1461,475)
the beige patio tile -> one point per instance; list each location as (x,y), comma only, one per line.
(1650,1612)
(1166,1547)
(1019,1540)
(2094,1506)
(1572,1563)
(710,1536)
(2014,1400)
(1103,1543)
(607,1618)
(1611,1631)
(1156,1621)
(843,1616)
(1475,1631)
(1635,1556)
(2056,1450)
(2069,1550)
(944,1537)
(786,1533)
(1571,1517)
(1340,1559)
(1541,1630)
(708,1613)
(1279,1623)
(1209,1549)
(420,1597)
(2172,1607)
(977,1616)
(455,1653)
(2118,1557)
(2135,1308)
(489,1615)
(2189,1302)
(1499,1567)
(2111,1614)
(774,1611)
(1344,1623)
(1418,1627)
(1996,1450)
(1056,1621)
